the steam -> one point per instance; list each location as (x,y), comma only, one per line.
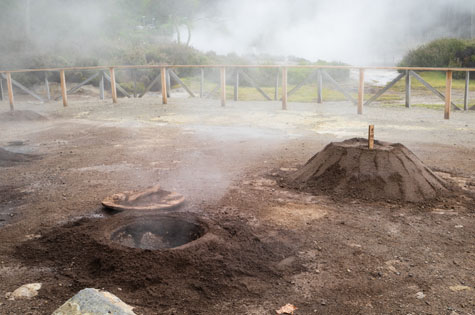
(362,32)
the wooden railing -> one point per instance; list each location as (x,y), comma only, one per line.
(167,72)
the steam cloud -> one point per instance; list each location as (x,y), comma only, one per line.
(361,32)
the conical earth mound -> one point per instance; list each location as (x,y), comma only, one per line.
(387,172)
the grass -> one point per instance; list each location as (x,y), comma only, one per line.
(434,78)
(308,93)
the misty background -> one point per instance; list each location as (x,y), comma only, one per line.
(364,32)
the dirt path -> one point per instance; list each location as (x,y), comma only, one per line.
(273,246)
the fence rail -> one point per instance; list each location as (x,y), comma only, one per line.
(166,71)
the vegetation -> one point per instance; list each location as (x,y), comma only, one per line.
(446,52)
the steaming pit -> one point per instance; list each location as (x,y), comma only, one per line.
(157,232)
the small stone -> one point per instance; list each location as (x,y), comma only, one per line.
(457,288)
(420,295)
(323,302)
(26,291)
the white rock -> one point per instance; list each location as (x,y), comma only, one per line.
(26,291)
(94,302)
(420,295)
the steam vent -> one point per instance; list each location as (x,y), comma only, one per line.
(387,172)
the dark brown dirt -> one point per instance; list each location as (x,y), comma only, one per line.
(387,172)
(204,273)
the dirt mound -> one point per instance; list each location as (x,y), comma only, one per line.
(8,158)
(388,172)
(21,115)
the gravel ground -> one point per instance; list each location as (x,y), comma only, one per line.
(328,256)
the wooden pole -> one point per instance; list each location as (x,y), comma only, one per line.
(10,90)
(2,95)
(371,137)
(284,88)
(276,88)
(408,89)
(361,92)
(466,93)
(319,87)
(134,76)
(236,85)
(163,79)
(113,86)
(168,83)
(448,94)
(202,82)
(101,86)
(223,86)
(48,94)
(64,93)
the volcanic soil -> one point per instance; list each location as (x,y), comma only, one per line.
(267,244)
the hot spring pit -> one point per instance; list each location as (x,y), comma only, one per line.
(157,232)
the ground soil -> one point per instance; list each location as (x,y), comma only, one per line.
(267,245)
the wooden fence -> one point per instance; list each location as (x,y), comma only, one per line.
(167,71)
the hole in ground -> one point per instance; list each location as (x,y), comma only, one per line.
(158,232)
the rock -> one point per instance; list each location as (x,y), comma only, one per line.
(94,302)
(287,309)
(286,262)
(26,291)
(456,288)
(420,295)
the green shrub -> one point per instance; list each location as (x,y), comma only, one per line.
(129,87)
(445,52)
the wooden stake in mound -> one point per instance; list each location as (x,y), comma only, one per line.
(152,198)
(388,171)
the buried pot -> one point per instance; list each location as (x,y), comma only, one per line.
(156,231)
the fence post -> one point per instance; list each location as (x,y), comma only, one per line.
(163,78)
(48,94)
(168,83)
(223,86)
(408,88)
(284,88)
(319,86)
(64,93)
(134,75)
(113,87)
(10,90)
(2,96)
(101,86)
(466,93)
(361,92)
(448,94)
(236,86)
(202,82)
(276,89)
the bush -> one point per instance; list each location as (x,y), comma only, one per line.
(129,87)
(445,52)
